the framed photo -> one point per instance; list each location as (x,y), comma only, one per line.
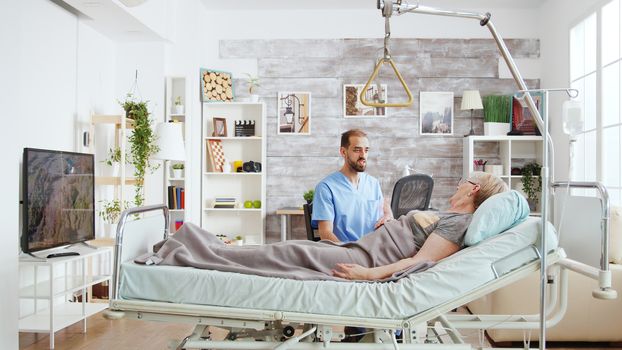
(216,156)
(220,127)
(523,122)
(352,106)
(216,86)
(294,113)
(436,113)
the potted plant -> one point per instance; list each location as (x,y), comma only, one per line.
(239,240)
(532,183)
(308,196)
(253,84)
(496,114)
(142,143)
(110,213)
(178,170)
(113,159)
(179,105)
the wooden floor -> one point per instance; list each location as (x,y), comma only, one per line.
(127,334)
(101,333)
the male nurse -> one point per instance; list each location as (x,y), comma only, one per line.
(348,203)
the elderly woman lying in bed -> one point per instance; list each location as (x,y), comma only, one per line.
(412,242)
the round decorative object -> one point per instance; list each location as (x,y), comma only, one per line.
(257,204)
(248,204)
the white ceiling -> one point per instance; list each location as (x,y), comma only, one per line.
(111,19)
(220,5)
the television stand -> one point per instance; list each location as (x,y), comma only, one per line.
(55,291)
(84,244)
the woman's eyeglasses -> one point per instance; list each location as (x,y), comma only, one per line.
(463,181)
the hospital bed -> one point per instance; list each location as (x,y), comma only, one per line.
(271,309)
(419,305)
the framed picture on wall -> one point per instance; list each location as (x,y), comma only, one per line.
(294,113)
(523,122)
(436,113)
(216,86)
(352,106)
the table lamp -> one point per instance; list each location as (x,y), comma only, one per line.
(471,100)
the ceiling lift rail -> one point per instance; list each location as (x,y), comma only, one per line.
(387,8)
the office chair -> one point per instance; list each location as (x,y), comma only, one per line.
(311,228)
(411,192)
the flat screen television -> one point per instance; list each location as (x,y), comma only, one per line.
(58,198)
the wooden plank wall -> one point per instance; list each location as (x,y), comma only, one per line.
(297,163)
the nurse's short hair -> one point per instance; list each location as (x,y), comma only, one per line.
(345,137)
(489,185)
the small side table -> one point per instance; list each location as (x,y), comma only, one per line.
(286,220)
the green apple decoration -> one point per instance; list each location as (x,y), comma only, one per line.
(248,204)
(257,203)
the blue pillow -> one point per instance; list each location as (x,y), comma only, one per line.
(495,215)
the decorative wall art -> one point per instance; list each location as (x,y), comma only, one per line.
(216,86)
(522,120)
(352,106)
(436,113)
(294,113)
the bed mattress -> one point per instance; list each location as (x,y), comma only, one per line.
(452,277)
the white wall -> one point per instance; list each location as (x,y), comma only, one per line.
(556,19)
(9,208)
(47,99)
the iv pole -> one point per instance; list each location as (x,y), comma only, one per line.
(397,6)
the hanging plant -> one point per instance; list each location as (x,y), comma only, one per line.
(532,181)
(142,144)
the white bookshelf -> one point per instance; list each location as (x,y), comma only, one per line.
(176,87)
(507,151)
(246,222)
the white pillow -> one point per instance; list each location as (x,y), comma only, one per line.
(615,235)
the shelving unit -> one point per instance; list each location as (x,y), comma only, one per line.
(107,177)
(246,222)
(49,304)
(507,151)
(175,87)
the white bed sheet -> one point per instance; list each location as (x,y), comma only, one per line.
(450,278)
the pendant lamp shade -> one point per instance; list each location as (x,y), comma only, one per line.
(170,142)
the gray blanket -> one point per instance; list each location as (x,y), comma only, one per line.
(301,260)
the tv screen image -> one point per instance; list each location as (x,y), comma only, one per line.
(59,199)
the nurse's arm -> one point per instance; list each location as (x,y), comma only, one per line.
(325,230)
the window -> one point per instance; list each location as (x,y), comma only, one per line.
(595,70)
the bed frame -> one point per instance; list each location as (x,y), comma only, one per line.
(437,326)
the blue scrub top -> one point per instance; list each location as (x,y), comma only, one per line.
(353,211)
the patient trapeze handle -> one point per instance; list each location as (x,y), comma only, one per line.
(387,11)
(399,77)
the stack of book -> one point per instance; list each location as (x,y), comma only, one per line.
(225,202)
(176,197)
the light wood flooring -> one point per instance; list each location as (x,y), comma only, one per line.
(127,334)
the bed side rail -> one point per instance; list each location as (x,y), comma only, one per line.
(119,240)
(603,276)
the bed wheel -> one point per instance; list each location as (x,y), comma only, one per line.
(288,331)
(232,336)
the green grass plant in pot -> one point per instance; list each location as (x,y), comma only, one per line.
(497,114)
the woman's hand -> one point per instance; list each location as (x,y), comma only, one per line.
(352,272)
(382,220)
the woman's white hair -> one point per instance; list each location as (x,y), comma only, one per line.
(489,185)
